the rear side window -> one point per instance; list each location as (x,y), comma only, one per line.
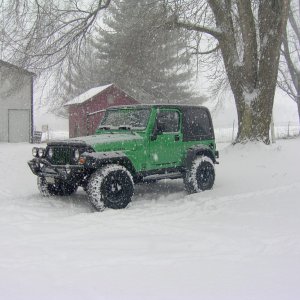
(197,125)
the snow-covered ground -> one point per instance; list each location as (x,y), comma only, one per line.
(240,240)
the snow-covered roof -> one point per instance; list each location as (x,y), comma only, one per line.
(88,94)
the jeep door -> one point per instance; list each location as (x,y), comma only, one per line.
(165,147)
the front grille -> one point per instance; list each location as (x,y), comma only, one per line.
(61,155)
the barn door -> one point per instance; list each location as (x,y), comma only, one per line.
(18,125)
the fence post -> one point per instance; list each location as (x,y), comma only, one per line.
(232,137)
(272,130)
(288,133)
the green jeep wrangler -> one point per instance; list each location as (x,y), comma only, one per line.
(133,144)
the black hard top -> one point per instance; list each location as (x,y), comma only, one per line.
(176,106)
(190,126)
(186,109)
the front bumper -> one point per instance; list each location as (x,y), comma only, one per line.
(41,167)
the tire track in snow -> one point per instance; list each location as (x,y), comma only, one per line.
(243,196)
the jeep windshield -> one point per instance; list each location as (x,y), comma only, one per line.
(126,119)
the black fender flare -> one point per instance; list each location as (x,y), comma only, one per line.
(95,160)
(195,151)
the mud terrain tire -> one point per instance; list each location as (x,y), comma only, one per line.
(57,189)
(201,175)
(111,186)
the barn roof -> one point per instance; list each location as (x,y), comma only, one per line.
(88,94)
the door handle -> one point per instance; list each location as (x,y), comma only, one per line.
(176,138)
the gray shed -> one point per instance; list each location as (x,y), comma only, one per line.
(16,104)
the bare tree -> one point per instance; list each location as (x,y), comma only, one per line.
(40,34)
(248,36)
(289,67)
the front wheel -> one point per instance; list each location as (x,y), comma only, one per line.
(111,186)
(56,189)
(201,175)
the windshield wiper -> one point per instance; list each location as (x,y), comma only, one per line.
(104,127)
(125,127)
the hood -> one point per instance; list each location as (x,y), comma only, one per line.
(93,140)
(100,139)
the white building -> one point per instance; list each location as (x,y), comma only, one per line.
(16,103)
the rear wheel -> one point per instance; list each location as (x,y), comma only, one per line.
(56,189)
(111,186)
(201,175)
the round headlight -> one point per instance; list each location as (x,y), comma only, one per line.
(50,152)
(41,152)
(35,151)
(76,154)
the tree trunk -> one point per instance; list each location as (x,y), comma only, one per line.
(254,118)
(249,35)
(298,105)
(254,95)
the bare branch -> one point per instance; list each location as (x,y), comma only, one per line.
(174,22)
(286,86)
(294,25)
(207,52)
(40,35)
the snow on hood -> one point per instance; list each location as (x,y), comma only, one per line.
(109,138)
(92,140)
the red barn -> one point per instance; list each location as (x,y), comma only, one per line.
(86,110)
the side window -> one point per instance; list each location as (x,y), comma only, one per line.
(168,121)
(197,125)
(200,124)
(206,125)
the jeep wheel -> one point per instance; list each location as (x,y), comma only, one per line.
(201,175)
(111,186)
(57,189)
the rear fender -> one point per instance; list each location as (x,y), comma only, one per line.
(195,151)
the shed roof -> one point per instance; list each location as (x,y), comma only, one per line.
(88,94)
(11,66)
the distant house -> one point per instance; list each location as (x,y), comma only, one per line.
(86,110)
(16,103)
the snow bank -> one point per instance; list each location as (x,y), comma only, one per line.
(238,241)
